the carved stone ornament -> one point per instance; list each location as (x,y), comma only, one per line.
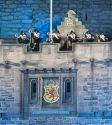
(69,22)
(51,92)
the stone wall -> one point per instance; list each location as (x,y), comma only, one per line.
(57,121)
(93,63)
(19,15)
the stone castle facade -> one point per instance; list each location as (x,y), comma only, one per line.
(85,71)
(53,87)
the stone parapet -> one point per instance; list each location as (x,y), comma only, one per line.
(80,51)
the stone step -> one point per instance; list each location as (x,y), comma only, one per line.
(78,23)
(83,30)
(80,26)
(62,23)
(60,29)
(74,19)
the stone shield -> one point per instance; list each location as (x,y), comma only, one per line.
(51,93)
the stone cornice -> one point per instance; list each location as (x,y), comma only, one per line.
(48,71)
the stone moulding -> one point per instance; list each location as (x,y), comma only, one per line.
(45,70)
(106,114)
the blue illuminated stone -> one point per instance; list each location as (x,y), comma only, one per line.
(51,112)
(26,21)
(9,2)
(18,26)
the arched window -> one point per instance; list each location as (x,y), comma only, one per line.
(67,90)
(0,115)
(33,90)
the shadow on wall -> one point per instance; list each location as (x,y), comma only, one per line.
(46,28)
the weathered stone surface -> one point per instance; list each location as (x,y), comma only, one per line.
(93,83)
(27,21)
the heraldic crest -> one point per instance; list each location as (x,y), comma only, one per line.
(51,92)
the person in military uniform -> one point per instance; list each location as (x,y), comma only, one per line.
(23,38)
(56,37)
(72,38)
(102,37)
(89,37)
(37,40)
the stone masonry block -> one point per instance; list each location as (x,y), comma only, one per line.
(107,114)
(98,114)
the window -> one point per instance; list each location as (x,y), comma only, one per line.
(33,93)
(33,89)
(67,97)
(67,89)
(0,115)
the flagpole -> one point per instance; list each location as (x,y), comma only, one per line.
(51,20)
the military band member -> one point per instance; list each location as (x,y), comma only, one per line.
(102,37)
(37,40)
(72,38)
(56,37)
(23,38)
(89,37)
